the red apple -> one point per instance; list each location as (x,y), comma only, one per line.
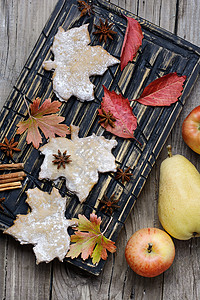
(191,130)
(149,252)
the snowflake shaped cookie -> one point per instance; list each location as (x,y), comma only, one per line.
(45,226)
(88,155)
(74,62)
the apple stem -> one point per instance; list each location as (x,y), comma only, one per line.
(149,249)
(169,150)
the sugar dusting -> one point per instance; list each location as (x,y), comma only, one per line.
(45,226)
(74,62)
(89,155)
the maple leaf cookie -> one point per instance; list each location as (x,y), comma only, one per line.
(45,226)
(78,160)
(75,61)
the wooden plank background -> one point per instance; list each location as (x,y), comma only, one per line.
(21,24)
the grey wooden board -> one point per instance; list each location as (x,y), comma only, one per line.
(161,53)
(143,217)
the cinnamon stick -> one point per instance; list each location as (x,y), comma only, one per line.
(10,186)
(13,175)
(7,180)
(15,166)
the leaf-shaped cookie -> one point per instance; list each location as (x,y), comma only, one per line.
(75,61)
(87,155)
(45,226)
(125,122)
(163,91)
(43,117)
(89,241)
(132,41)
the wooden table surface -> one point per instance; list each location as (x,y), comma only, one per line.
(21,22)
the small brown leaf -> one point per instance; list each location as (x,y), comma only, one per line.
(43,117)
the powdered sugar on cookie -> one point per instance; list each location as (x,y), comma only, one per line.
(74,62)
(45,226)
(88,156)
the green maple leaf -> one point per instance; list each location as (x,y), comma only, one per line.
(89,241)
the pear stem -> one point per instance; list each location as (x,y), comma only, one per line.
(149,249)
(169,150)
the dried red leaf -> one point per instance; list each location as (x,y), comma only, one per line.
(43,117)
(121,110)
(163,91)
(132,41)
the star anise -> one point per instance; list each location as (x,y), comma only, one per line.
(1,200)
(104,31)
(123,175)
(85,8)
(9,147)
(109,204)
(107,118)
(61,159)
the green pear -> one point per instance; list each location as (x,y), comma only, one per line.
(179,197)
